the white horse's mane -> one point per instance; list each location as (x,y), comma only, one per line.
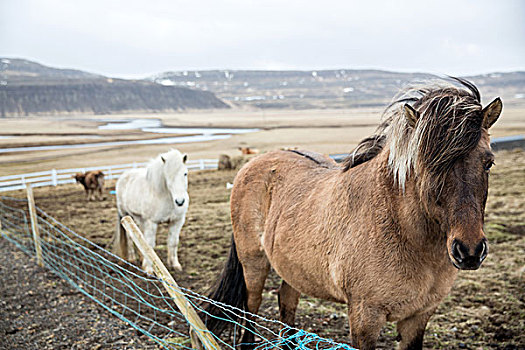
(155,175)
(154,170)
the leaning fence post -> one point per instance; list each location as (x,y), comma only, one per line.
(196,325)
(34,224)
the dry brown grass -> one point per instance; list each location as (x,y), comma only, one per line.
(325,131)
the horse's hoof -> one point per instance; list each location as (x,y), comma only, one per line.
(177,267)
(175,264)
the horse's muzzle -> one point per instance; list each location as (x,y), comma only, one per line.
(180,202)
(463,259)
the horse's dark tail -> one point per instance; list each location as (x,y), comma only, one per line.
(230,290)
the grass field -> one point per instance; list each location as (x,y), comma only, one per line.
(485,310)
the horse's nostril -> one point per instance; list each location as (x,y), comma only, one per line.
(180,203)
(481,250)
(456,251)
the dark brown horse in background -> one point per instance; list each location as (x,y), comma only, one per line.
(385,234)
(92,181)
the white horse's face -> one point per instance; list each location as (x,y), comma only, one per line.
(176,175)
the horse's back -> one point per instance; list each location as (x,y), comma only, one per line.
(131,175)
(318,159)
(291,158)
(94,179)
(129,183)
(276,179)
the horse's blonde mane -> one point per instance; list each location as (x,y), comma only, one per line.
(449,126)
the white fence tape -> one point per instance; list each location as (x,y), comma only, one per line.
(56,177)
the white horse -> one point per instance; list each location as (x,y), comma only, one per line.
(153,195)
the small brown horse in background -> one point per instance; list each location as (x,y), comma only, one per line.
(385,234)
(248,150)
(225,162)
(92,181)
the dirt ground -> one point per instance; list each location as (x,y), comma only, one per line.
(485,310)
(39,310)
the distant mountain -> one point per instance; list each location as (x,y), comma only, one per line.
(16,70)
(342,88)
(29,88)
(509,86)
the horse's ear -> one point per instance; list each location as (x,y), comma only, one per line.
(184,158)
(163,160)
(492,112)
(411,114)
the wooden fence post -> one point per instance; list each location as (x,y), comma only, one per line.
(197,327)
(34,224)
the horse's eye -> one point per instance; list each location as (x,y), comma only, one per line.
(488,165)
(185,174)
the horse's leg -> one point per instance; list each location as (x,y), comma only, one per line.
(255,274)
(173,243)
(365,323)
(150,234)
(288,299)
(412,330)
(248,208)
(101,188)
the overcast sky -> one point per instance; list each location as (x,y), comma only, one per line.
(127,38)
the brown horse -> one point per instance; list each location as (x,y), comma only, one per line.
(248,150)
(385,234)
(92,181)
(225,162)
